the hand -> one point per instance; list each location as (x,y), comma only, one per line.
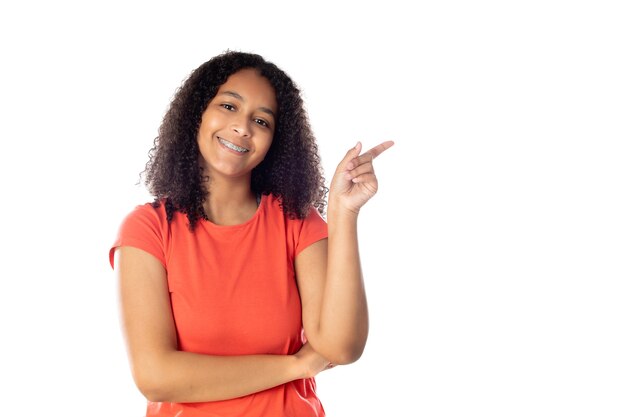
(311,362)
(354,182)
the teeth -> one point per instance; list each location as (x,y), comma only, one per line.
(233,146)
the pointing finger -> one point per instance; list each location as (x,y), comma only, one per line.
(377,150)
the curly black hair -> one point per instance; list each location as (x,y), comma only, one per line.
(291,169)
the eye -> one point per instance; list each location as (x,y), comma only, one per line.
(228,106)
(261,122)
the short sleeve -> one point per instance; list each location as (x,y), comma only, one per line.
(142,229)
(313,228)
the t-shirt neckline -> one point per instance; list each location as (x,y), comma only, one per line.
(257,213)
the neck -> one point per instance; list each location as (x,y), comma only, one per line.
(230,202)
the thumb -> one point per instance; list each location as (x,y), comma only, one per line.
(350,155)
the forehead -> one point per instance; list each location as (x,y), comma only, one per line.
(251,86)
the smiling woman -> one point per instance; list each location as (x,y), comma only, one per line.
(235,292)
(237,127)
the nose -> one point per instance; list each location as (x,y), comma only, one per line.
(240,125)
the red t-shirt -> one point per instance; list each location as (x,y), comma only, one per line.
(233,292)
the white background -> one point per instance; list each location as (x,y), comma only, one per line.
(494,252)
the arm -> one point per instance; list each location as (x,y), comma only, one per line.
(329,272)
(161,372)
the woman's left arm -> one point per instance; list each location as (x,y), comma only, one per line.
(330,280)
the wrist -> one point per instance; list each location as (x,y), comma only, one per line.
(336,209)
(298,368)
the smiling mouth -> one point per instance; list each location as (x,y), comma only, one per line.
(232,146)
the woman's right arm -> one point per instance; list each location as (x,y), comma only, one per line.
(165,374)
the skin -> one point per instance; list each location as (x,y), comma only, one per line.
(242,113)
(330,280)
(334,306)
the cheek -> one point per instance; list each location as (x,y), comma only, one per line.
(201,141)
(210,119)
(267,145)
(204,131)
(204,139)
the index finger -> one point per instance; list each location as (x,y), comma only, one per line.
(378,149)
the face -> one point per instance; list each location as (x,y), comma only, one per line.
(237,126)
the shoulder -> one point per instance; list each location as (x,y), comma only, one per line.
(144,227)
(150,212)
(146,216)
(300,232)
(274,206)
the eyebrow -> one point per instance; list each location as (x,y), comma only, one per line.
(239,97)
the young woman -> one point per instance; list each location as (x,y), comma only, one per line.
(234,291)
